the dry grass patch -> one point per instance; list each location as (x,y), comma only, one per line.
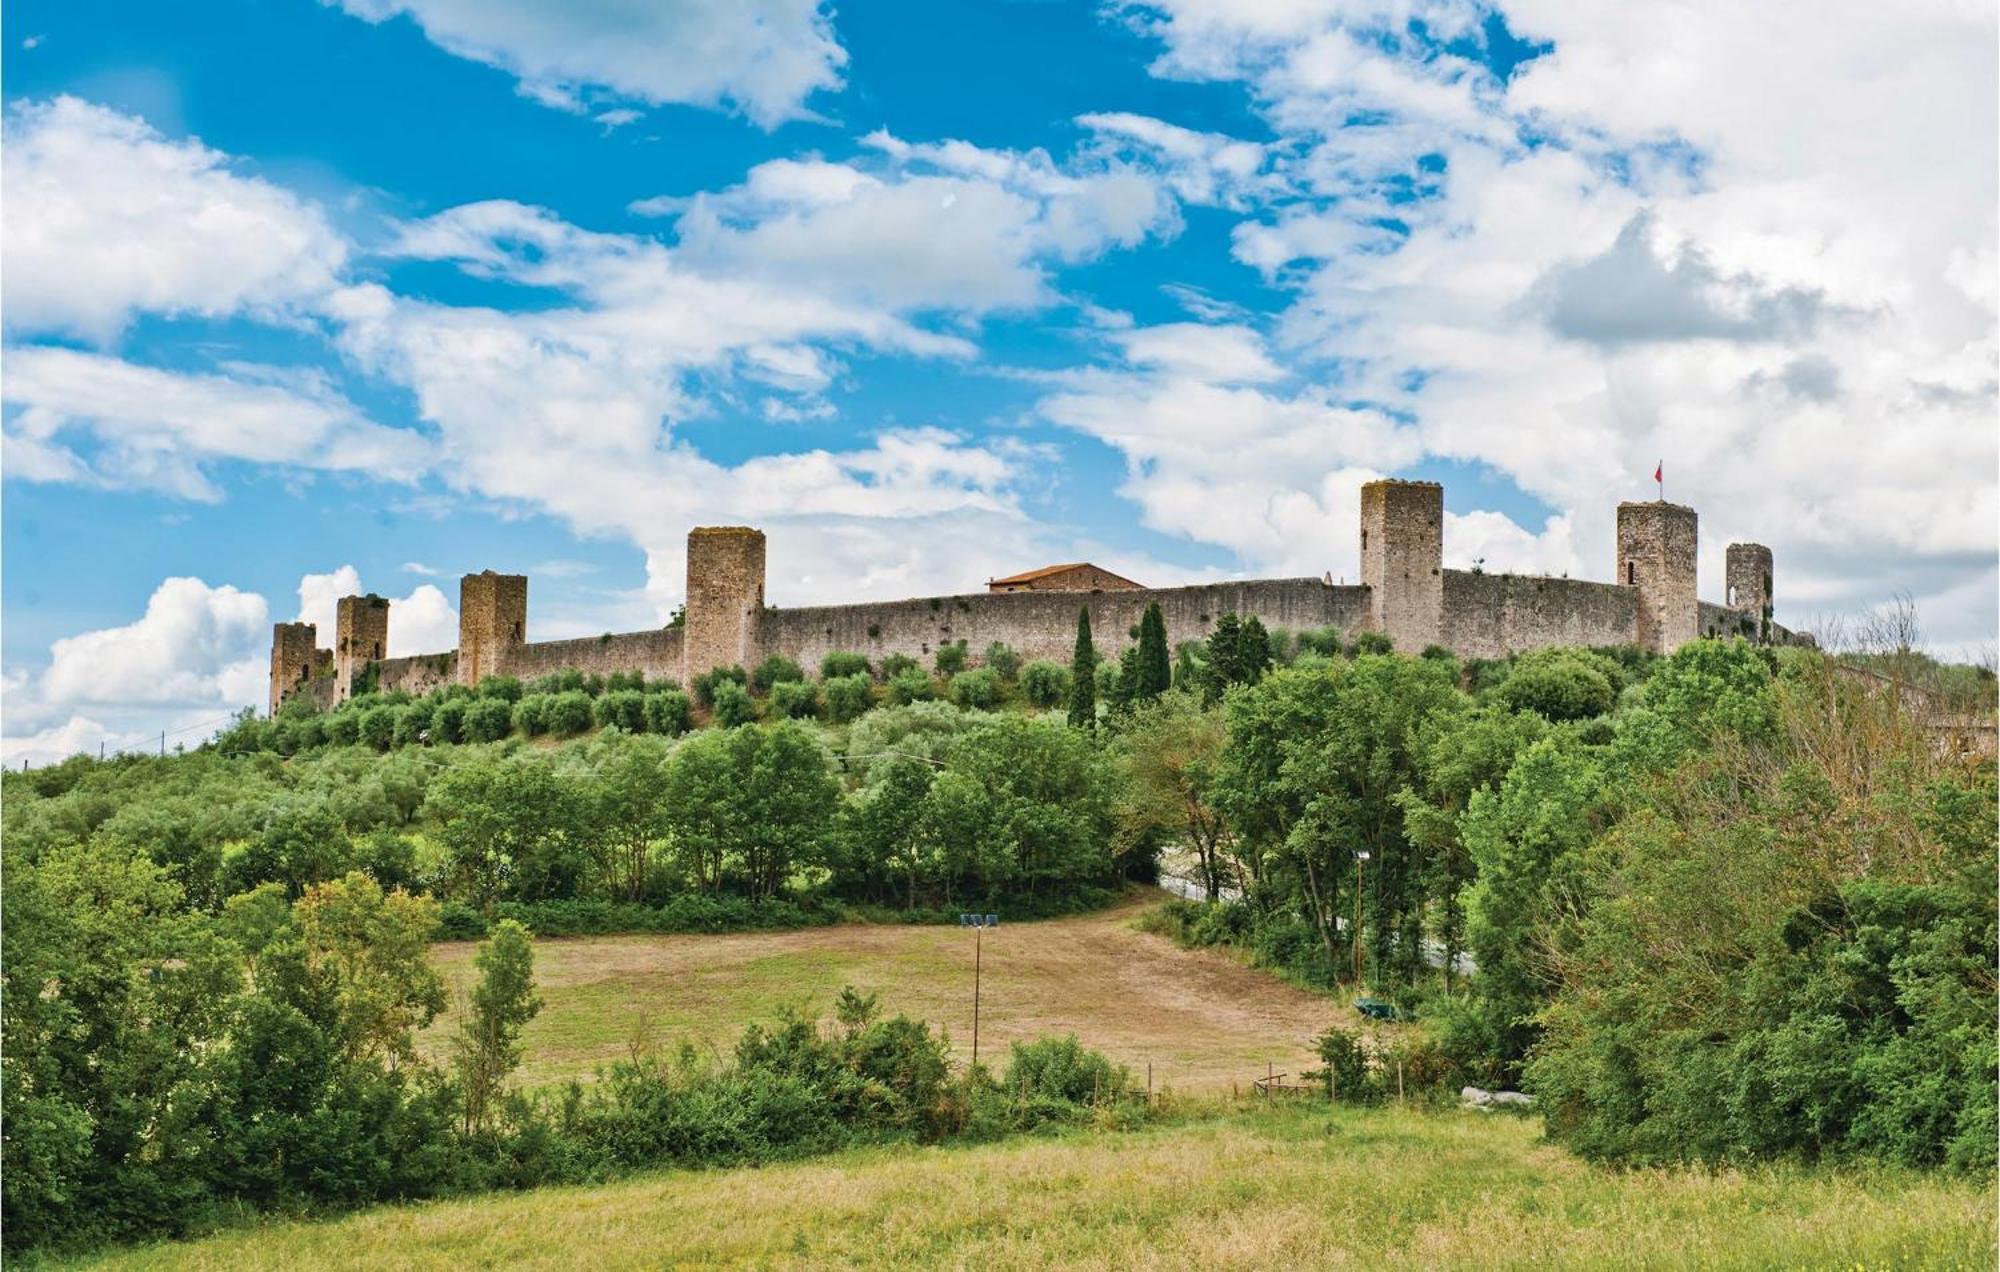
(1203,1020)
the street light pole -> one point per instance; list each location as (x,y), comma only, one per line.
(1360,859)
(978,923)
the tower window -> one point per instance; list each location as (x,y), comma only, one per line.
(1632,573)
(1364,540)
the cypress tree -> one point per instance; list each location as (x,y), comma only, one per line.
(1083,676)
(1156,672)
(1225,655)
(1253,654)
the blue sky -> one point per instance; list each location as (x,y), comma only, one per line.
(308,296)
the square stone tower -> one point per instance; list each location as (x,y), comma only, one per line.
(725,598)
(1656,555)
(1748,575)
(492,623)
(1402,560)
(292,648)
(360,636)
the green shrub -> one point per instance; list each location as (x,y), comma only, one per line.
(951,658)
(731,703)
(506,688)
(343,728)
(448,721)
(667,712)
(704,684)
(978,689)
(1371,643)
(413,723)
(621,708)
(775,670)
(911,685)
(794,699)
(1045,684)
(378,727)
(625,682)
(842,663)
(488,719)
(1065,1070)
(569,713)
(1559,685)
(1324,641)
(848,696)
(1000,656)
(531,714)
(896,664)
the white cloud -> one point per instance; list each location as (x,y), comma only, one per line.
(1202,168)
(195,646)
(105,218)
(424,622)
(87,417)
(1774,271)
(943,226)
(762,57)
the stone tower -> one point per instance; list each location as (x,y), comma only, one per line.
(725,598)
(361,636)
(1748,576)
(292,648)
(1402,560)
(492,623)
(1656,555)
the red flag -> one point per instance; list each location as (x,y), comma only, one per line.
(1658,469)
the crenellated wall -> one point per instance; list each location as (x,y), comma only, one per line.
(1043,624)
(1406,594)
(1493,615)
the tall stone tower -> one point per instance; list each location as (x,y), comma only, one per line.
(492,622)
(1402,560)
(360,636)
(725,598)
(1656,555)
(1748,576)
(292,648)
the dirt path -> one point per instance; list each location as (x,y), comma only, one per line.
(1203,1020)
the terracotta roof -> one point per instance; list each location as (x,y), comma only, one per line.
(1031,575)
(1049,571)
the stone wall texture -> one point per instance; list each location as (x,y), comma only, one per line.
(361,636)
(1402,560)
(1656,554)
(1043,624)
(725,598)
(1494,615)
(294,647)
(1747,582)
(492,623)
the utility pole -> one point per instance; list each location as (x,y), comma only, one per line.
(1360,860)
(978,923)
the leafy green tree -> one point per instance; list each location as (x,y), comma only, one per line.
(978,689)
(630,789)
(951,658)
(1168,754)
(512,829)
(1083,676)
(488,1045)
(910,685)
(775,670)
(373,947)
(488,719)
(621,709)
(794,700)
(1001,657)
(847,697)
(667,712)
(880,833)
(1559,685)
(733,704)
(753,806)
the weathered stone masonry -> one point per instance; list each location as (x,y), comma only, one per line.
(1405,593)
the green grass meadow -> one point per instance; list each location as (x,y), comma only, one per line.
(1288,1187)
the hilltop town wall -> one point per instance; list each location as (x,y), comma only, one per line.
(1043,624)
(1493,615)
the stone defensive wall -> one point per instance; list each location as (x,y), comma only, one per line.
(1405,593)
(1043,624)
(1493,615)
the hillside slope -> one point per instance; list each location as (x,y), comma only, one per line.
(1281,1188)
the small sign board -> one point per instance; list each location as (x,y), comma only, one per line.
(979,920)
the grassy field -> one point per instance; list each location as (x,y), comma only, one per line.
(1301,1187)
(1202,1020)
